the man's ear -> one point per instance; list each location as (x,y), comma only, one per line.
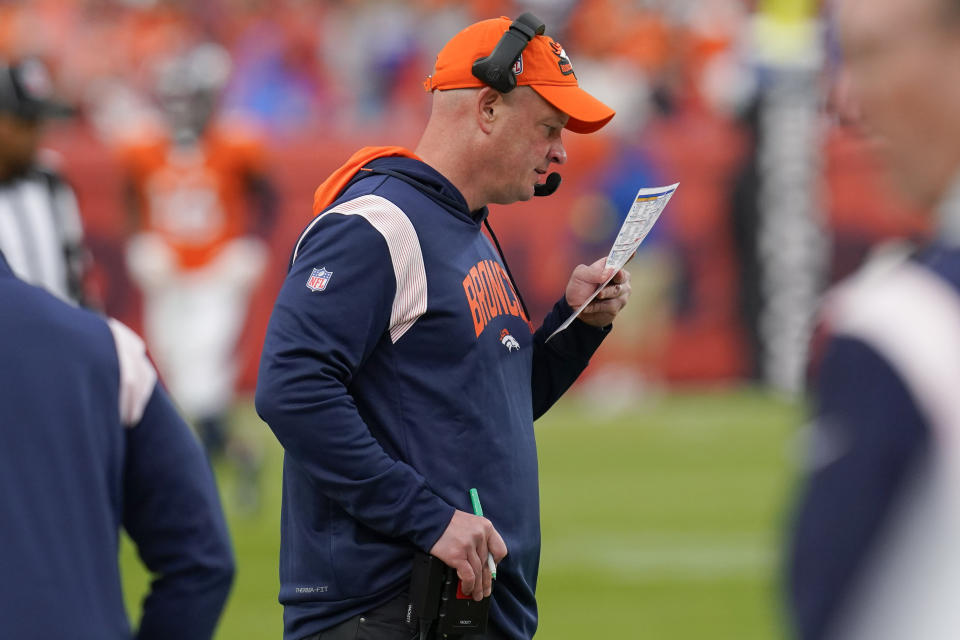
(489,105)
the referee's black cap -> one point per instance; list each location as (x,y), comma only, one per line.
(26,90)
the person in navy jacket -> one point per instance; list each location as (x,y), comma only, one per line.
(400,367)
(90,443)
(872,551)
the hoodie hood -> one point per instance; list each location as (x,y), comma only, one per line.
(331,188)
(403,165)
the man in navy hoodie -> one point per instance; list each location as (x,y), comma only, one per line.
(872,553)
(400,367)
(90,442)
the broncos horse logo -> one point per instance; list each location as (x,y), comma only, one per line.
(566,67)
(509,341)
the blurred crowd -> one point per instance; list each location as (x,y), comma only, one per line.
(296,66)
(695,85)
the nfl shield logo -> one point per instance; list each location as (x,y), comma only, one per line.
(318,279)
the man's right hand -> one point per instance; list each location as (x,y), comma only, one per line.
(464,546)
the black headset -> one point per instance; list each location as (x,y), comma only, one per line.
(496,70)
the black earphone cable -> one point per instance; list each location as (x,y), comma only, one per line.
(503,258)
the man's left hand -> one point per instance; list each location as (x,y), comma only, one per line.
(609,301)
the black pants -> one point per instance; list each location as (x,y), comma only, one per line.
(387,622)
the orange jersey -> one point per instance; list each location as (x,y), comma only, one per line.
(195,197)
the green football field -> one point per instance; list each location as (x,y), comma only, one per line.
(662,522)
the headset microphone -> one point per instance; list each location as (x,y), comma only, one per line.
(548,187)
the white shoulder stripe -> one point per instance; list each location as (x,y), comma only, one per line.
(410,300)
(137,375)
(912,317)
(306,232)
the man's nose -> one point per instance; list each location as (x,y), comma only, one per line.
(558,154)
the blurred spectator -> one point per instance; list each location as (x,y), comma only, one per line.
(89,443)
(201,206)
(872,554)
(278,79)
(40,228)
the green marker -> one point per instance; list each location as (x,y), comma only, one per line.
(478,511)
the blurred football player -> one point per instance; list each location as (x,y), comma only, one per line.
(201,206)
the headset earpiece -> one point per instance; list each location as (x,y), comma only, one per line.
(496,70)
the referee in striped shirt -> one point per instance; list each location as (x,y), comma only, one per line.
(41,234)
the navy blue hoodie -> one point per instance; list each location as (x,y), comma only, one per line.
(867,555)
(90,442)
(398,371)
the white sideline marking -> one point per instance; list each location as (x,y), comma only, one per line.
(656,556)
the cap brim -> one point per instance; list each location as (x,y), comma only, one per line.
(587,114)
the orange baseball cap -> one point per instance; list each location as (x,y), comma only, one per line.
(543,66)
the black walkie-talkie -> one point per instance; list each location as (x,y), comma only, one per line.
(438,601)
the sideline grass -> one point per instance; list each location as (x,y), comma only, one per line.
(660,523)
(664,523)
